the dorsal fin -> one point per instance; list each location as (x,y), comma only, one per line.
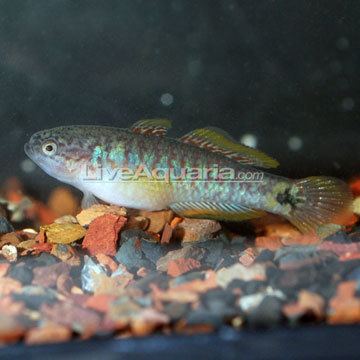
(156,127)
(218,141)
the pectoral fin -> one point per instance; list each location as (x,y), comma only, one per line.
(215,211)
(88,200)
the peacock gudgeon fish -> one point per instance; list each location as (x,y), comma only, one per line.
(203,174)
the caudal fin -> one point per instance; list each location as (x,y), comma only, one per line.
(319,200)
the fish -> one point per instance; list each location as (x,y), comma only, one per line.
(203,174)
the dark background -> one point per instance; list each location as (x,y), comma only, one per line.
(271,68)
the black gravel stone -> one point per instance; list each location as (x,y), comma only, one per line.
(204,316)
(265,255)
(326,292)
(347,267)
(131,252)
(235,284)
(161,280)
(357,292)
(294,253)
(354,274)
(44,259)
(314,278)
(35,296)
(194,275)
(176,311)
(219,301)
(355,236)
(214,249)
(273,273)
(22,273)
(152,251)
(230,257)
(239,243)
(5,226)
(267,314)
(340,237)
(247,287)
(138,249)
(297,254)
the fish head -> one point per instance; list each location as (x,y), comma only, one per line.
(61,152)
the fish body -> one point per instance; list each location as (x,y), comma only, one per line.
(203,174)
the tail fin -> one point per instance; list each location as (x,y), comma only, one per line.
(319,200)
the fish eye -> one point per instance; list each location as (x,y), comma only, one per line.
(49,148)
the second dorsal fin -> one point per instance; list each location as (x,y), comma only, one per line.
(218,141)
(156,127)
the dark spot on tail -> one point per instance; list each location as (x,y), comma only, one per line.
(286,198)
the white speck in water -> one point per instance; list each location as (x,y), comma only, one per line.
(336,67)
(337,166)
(27,166)
(166,99)
(317,76)
(343,83)
(249,140)
(194,67)
(347,104)
(295,143)
(177,6)
(342,43)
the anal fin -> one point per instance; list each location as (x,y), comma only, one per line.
(215,211)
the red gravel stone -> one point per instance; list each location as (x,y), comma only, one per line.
(340,249)
(107,261)
(50,333)
(344,307)
(4,268)
(181,266)
(9,286)
(269,242)
(248,257)
(47,276)
(350,256)
(355,186)
(166,234)
(102,236)
(100,303)
(81,320)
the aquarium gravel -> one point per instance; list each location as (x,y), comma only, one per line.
(108,271)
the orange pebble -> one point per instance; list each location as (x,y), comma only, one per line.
(268,242)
